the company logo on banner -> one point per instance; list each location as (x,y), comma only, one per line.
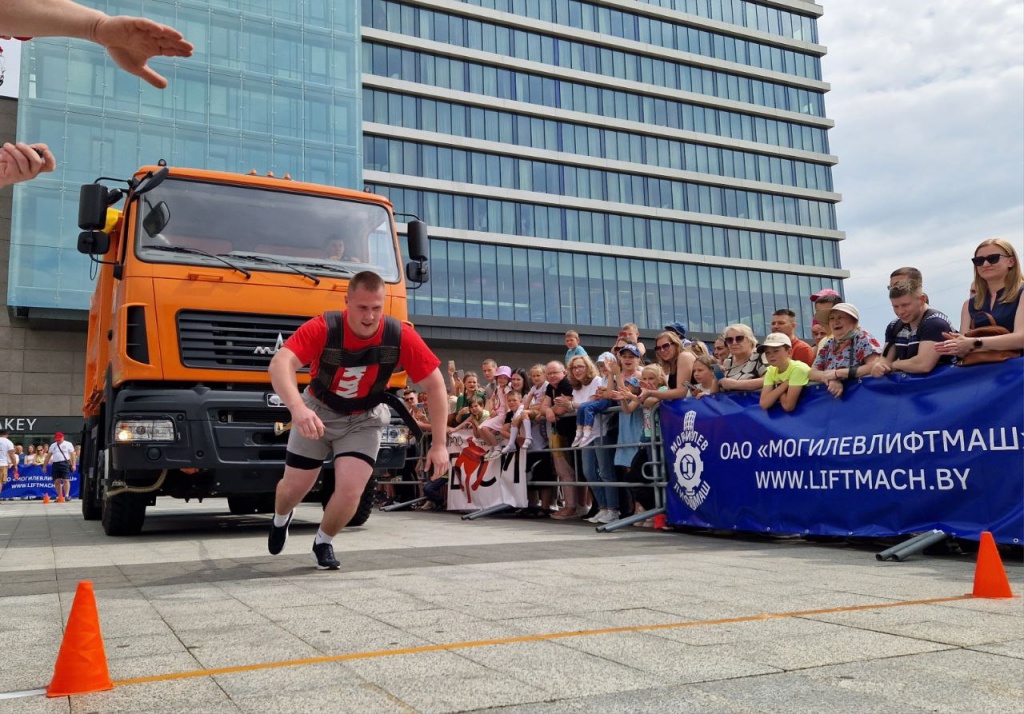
(895,455)
(688,465)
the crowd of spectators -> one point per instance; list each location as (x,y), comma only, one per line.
(586,420)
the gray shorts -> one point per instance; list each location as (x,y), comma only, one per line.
(344,434)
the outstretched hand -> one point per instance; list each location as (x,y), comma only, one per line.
(132,41)
(438,461)
(23,162)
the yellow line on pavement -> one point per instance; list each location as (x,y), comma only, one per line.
(525,638)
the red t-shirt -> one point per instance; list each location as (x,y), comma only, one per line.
(351,382)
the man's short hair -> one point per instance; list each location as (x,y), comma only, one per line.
(490,362)
(366,280)
(785,311)
(912,274)
(903,288)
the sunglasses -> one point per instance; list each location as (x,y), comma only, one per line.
(992,259)
(664,346)
(732,340)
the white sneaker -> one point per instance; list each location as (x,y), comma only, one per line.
(596,518)
(509,448)
(577,440)
(494,453)
(527,443)
(609,516)
(587,438)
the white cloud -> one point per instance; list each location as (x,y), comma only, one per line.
(928,99)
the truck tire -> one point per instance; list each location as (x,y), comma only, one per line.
(363,510)
(92,510)
(124,514)
(365,506)
(242,504)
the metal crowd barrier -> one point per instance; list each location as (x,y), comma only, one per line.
(653,477)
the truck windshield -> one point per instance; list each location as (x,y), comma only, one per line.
(317,234)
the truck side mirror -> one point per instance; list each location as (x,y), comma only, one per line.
(416,270)
(419,248)
(92,207)
(93,242)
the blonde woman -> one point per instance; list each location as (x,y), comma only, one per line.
(996,301)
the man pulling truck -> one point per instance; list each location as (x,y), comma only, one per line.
(352,355)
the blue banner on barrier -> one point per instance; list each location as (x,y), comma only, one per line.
(33,483)
(895,455)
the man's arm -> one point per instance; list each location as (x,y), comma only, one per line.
(283,368)
(921,363)
(438,460)
(131,41)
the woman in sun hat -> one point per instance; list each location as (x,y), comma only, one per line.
(848,354)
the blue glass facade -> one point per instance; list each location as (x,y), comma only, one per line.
(596,163)
(272,86)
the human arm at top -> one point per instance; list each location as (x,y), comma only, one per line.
(130,41)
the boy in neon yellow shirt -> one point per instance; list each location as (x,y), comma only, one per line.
(786,377)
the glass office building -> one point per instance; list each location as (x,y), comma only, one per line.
(272,86)
(593,163)
(580,164)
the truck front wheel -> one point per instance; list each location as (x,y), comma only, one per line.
(124,514)
(92,510)
(365,507)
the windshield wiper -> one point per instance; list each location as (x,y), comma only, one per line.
(330,267)
(274,261)
(197,251)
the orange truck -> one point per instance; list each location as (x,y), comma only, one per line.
(201,277)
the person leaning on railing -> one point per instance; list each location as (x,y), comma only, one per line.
(996,302)
(850,353)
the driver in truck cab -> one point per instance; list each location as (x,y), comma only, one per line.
(352,355)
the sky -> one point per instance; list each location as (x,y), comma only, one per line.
(928,101)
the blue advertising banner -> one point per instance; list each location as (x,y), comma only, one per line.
(893,456)
(33,483)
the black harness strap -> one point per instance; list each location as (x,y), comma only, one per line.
(335,357)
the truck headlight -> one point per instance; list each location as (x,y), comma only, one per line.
(128,431)
(395,435)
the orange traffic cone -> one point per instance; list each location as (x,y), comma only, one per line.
(82,662)
(990,579)
(46,498)
(60,498)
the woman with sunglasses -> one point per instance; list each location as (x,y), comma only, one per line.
(744,370)
(676,358)
(996,301)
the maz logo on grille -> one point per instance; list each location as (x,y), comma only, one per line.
(271,350)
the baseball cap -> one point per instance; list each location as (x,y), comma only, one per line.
(775,339)
(848,309)
(632,349)
(503,371)
(826,293)
(58,435)
(677,327)
(606,357)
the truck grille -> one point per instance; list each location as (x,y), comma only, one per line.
(213,340)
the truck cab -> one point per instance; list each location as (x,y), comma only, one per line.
(202,276)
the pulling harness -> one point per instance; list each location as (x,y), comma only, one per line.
(335,357)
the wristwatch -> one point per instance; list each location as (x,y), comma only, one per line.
(978,344)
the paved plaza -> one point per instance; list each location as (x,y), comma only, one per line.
(430,613)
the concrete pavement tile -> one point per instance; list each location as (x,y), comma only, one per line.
(283,681)
(792,693)
(364,699)
(953,681)
(142,645)
(197,696)
(829,645)
(560,671)
(444,682)
(1010,648)
(679,699)
(672,662)
(709,635)
(346,635)
(152,665)
(234,647)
